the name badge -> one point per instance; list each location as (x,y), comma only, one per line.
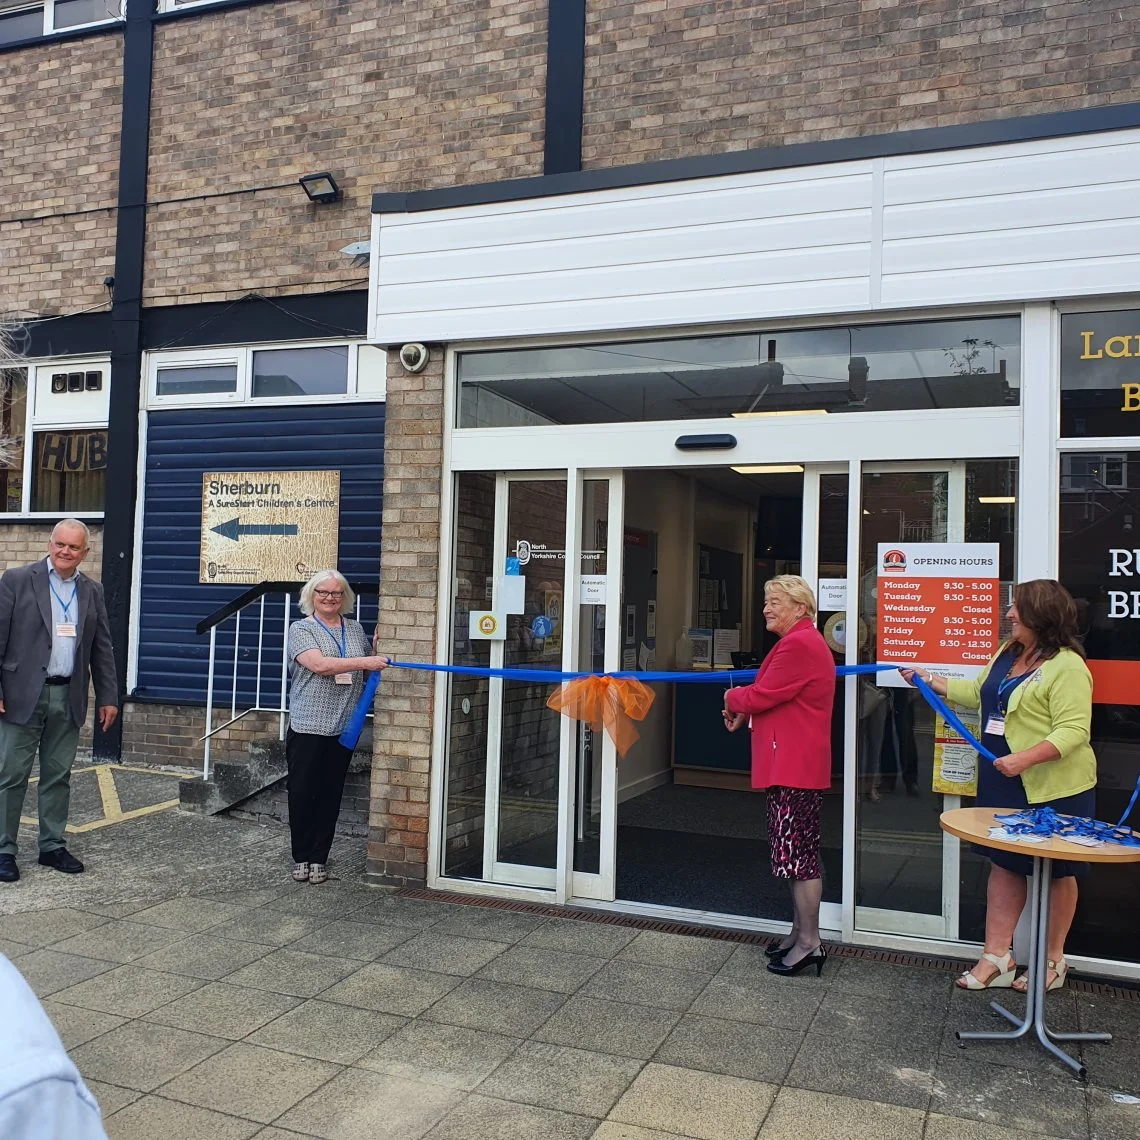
(343,678)
(995,726)
(65,629)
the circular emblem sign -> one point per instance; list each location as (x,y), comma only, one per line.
(488,624)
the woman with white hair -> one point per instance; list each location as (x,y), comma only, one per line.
(788,707)
(330,654)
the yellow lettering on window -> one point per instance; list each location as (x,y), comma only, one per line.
(1131,398)
(1117,346)
(1088,353)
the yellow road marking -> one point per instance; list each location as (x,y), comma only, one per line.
(109,795)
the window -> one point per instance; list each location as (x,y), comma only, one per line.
(265,374)
(61,408)
(964,363)
(1100,373)
(1092,472)
(56,16)
(301,371)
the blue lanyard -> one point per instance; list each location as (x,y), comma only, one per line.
(65,606)
(342,641)
(1006,686)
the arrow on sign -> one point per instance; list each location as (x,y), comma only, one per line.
(234,529)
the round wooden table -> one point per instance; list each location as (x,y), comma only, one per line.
(973,825)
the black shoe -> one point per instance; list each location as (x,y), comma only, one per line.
(775,951)
(9,872)
(61,860)
(816,959)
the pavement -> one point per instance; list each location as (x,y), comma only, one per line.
(204,995)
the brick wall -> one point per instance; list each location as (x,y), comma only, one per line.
(171,734)
(667,79)
(409,570)
(60,106)
(21,543)
(391,96)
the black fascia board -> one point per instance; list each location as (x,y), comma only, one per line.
(83,334)
(257,320)
(565,85)
(927,140)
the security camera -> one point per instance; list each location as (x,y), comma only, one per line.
(414,357)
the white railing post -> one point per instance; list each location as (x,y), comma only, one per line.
(260,648)
(284,668)
(233,687)
(209,705)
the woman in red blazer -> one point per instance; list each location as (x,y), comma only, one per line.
(788,708)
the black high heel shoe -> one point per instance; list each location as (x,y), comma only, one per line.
(775,952)
(816,959)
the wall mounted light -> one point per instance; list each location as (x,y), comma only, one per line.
(320,187)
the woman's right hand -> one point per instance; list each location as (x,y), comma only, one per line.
(938,684)
(733,721)
(375,664)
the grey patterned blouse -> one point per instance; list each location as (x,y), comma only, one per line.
(318,705)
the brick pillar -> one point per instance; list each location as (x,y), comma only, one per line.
(409,567)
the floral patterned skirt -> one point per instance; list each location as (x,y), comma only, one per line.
(793,832)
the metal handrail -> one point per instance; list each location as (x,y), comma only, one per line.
(234,609)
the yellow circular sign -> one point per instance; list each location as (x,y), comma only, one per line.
(488,625)
(835,633)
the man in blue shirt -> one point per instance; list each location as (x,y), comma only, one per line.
(42,1095)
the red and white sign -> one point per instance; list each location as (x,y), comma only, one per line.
(938,607)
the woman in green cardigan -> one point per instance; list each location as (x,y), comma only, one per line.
(1035,698)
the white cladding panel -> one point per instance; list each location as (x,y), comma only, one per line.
(1022,221)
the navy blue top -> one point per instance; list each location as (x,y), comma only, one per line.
(994,789)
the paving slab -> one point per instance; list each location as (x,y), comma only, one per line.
(613,1130)
(49,971)
(294,972)
(940,1127)
(204,956)
(111,1097)
(154,1116)
(494,925)
(250,1081)
(392,910)
(141,1056)
(391,989)
(329,1032)
(359,1104)
(636,983)
(363,941)
(732,1047)
(128,991)
(440,1054)
(484,1118)
(35,928)
(681,952)
(787,1003)
(76,1026)
(478,1004)
(445,953)
(562,1078)
(120,940)
(609,1026)
(797,1113)
(268,927)
(190,914)
(708,1106)
(543,969)
(223,1010)
(576,936)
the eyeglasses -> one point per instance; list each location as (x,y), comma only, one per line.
(329,593)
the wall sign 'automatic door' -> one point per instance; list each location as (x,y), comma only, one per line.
(937,607)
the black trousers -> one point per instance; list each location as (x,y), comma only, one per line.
(317,769)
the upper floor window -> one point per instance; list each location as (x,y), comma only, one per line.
(1100,373)
(53,422)
(29,21)
(242,375)
(968,362)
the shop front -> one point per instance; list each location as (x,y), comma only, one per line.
(658,397)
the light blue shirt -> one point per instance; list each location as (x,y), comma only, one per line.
(61,663)
(41,1092)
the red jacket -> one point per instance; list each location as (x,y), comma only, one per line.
(790,705)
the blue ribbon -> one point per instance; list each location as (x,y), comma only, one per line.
(355,726)
(1045,823)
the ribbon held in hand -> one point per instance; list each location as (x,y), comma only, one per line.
(612,703)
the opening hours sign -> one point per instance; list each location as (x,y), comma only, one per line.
(937,607)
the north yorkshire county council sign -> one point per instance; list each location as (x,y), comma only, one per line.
(268,526)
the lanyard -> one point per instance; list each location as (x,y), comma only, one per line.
(1006,686)
(342,641)
(65,606)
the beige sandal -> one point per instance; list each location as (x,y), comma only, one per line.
(318,873)
(1002,980)
(1060,973)
(300,872)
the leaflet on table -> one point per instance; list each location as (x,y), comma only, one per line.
(937,607)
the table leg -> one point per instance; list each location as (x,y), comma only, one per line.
(1040,886)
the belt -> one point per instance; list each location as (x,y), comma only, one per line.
(57,680)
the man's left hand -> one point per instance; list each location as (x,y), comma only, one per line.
(1013,764)
(108,714)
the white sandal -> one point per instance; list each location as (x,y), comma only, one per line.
(318,873)
(1002,980)
(1060,973)
(301,872)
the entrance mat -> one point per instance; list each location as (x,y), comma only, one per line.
(1123,991)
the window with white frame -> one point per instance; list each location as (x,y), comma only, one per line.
(1094,471)
(53,423)
(22,21)
(266,374)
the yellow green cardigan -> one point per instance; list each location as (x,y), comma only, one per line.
(1055,704)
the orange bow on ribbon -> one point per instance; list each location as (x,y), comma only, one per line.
(610,702)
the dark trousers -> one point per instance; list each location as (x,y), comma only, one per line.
(317,769)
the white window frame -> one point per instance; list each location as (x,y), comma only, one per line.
(47,10)
(174,6)
(241,356)
(34,425)
(1101,457)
